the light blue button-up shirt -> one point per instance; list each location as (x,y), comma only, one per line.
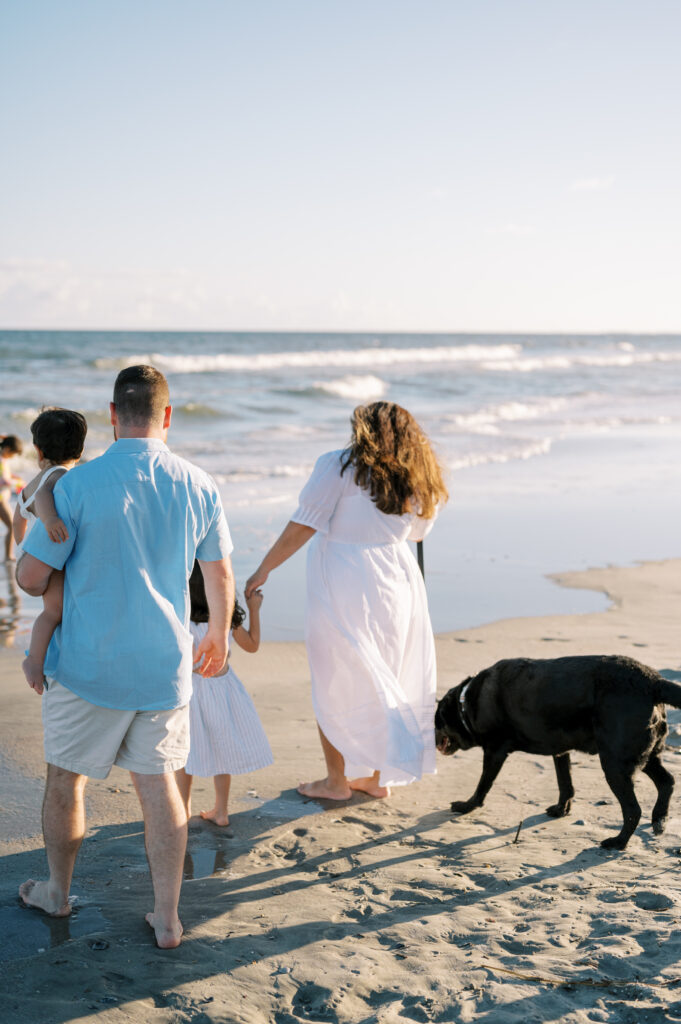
(137,516)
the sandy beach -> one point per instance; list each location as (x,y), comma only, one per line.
(366,911)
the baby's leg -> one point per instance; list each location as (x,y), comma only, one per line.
(219,812)
(184,784)
(43,628)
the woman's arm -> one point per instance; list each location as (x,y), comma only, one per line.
(291,539)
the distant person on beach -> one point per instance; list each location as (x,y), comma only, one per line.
(10,447)
(119,668)
(58,438)
(225,734)
(368,633)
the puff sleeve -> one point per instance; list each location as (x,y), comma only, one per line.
(320,495)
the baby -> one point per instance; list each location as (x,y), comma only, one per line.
(58,438)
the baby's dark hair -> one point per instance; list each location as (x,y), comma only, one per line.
(199,604)
(59,433)
(12,443)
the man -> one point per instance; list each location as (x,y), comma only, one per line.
(118,670)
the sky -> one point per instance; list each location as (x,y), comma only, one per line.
(384,165)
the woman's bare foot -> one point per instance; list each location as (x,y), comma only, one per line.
(215,816)
(371,786)
(166,937)
(322,789)
(37,895)
(33,671)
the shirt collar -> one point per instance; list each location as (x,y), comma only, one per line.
(133,445)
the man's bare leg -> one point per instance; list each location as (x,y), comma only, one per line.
(370,785)
(335,785)
(43,628)
(219,814)
(184,784)
(63,829)
(165,838)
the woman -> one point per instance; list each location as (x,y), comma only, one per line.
(368,634)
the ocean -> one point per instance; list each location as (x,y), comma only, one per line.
(561,451)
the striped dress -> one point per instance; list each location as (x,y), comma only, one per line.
(225,734)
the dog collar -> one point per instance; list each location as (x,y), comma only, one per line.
(463,715)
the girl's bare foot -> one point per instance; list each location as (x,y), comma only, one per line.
(322,789)
(371,786)
(167,937)
(38,896)
(217,817)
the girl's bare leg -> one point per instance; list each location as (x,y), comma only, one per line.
(219,813)
(6,520)
(335,785)
(43,628)
(184,784)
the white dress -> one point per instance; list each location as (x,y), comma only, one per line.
(368,633)
(24,506)
(225,734)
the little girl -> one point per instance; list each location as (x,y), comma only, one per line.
(58,438)
(225,734)
(10,447)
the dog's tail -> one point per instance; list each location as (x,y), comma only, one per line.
(667,692)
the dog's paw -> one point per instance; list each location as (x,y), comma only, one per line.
(614,843)
(558,810)
(462,806)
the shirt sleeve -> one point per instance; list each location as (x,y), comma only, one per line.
(421,527)
(319,496)
(38,543)
(216,544)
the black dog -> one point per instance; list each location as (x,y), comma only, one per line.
(606,705)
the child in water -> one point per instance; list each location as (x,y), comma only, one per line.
(58,438)
(225,734)
(10,446)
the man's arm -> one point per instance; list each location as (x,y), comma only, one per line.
(33,575)
(218,580)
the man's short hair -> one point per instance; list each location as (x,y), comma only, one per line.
(59,433)
(12,444)
(141,395)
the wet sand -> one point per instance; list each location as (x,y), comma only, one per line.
(366,911)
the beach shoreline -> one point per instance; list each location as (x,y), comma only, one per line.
(366,910)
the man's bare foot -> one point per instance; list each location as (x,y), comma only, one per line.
(214,816)
(38,896)
(370,785)
(166,938)
(33,671)
(323,790)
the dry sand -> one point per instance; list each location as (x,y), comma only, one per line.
(368,911)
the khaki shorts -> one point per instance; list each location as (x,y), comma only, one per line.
(87,739)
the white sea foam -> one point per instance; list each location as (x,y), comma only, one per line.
(487,419)
(529,364)
(366,357)
(517,452)
(360,389)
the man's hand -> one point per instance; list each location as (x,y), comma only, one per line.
(210,657)
(56,530)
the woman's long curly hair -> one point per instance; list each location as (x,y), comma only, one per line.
(392,459)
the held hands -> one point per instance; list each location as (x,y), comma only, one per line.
(254,582)
(254,600)
(56,530)
(211,655)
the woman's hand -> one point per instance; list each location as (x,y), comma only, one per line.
(254,582)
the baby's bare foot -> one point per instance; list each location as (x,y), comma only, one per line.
(33,670)
(323,790)
(217,817)
(38,895)
(370,785)
(167,936)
